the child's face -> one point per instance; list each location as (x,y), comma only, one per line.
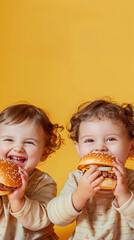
(22,143)
(104,135)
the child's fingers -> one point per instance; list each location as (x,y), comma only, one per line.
(120,173)
(97,181)
(90,170)
(24,177)
(119,166)
(92,175)
(96,189)
(117,172)
(24,171)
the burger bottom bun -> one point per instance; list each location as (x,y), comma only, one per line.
(4,192)
(108,183)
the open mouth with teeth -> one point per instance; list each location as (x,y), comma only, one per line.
(18,160)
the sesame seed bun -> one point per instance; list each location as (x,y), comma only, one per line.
(9,176)
(99,159)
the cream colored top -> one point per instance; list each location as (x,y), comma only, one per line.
(100,219)
(32,221)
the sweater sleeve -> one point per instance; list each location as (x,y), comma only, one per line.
(33,215)
(127,210)
(60,209)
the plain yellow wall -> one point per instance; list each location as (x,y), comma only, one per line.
(57,54)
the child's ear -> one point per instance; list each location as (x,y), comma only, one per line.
(76,145)
(131,153)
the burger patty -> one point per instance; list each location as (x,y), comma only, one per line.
(106,174)
(5,188)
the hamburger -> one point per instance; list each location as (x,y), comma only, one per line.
(10,177)
(104,163)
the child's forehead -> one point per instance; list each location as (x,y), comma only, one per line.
(22,124)
(97,121)
(23,128)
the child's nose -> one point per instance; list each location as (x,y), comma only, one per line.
(101,148)
(18,148)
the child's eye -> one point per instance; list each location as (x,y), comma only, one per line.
(29,142)
(8,140)
(89,140)
(111,139)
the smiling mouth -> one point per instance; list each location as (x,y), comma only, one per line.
(18,160)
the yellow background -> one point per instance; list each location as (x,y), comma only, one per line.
(57,54)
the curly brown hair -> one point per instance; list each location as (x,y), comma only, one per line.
(19,113)
(102,109)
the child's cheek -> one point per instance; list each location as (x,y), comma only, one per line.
(3,150)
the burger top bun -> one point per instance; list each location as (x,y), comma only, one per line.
(97,158)
(9,173)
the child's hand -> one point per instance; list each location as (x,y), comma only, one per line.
(16,197)
(87,187)
(121,191)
